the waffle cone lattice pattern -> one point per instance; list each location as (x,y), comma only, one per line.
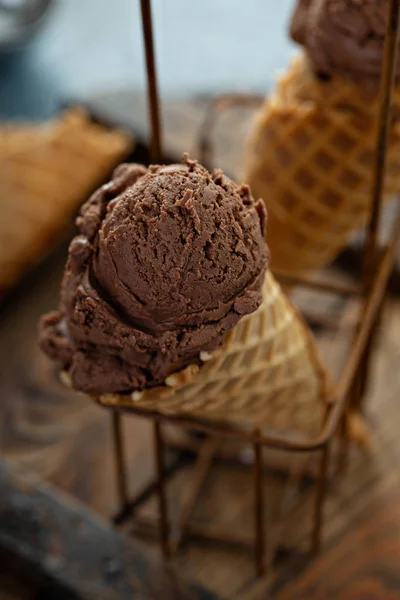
(267,374)
(310,157)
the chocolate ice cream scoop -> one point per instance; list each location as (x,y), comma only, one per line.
(343,36)
(167,260)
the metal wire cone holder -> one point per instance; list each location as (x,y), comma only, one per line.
(349,389)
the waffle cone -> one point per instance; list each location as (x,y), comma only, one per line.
(267,374)
(45,172)
(310,157)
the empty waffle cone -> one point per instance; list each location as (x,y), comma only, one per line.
(45,171)
(267,375)
(310,157)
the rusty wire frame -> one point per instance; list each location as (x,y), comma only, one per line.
(350,387)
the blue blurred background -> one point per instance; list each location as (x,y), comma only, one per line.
(90,46)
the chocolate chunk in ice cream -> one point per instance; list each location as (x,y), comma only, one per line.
(344,37)
(166,261)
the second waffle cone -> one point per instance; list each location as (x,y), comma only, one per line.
(45,171)
(310,157)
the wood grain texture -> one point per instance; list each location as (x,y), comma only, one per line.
(68,546)
(64,440)
(61,437)
(364,565)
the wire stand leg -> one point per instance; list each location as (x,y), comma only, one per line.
(361,380)
(320,498)
(120,466)
(159,450)
(259,512)
(367,361)
(152,89)
(200,472)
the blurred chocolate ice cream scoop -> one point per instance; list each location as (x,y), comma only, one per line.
(167,260)
(343,36)
(312,151)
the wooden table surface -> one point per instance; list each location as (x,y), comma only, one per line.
(63,549)
(66,441)
(363,565)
